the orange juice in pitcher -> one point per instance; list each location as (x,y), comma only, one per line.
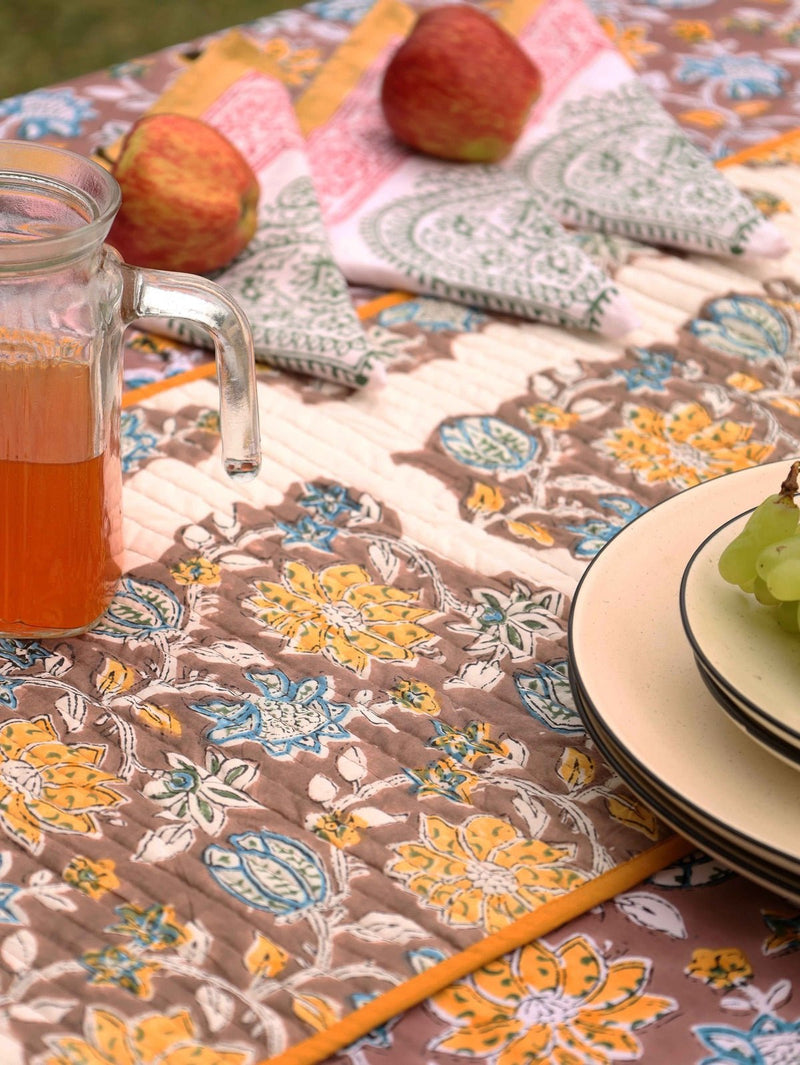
(60,519)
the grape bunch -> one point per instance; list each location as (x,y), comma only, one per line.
(764,558)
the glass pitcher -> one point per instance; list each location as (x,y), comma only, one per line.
(65,300)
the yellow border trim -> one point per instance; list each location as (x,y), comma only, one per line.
(386,21)
(761,150)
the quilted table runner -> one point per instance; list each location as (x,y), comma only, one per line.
(316,784)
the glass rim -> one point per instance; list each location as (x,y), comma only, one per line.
(23,163)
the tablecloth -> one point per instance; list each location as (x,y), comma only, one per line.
(263,840)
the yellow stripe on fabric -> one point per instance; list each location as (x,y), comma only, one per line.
(136,395)
(225,60)
(546,919)
(763,150)
(387,20)
(516,14)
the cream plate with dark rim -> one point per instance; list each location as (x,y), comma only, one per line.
(646,706)
(742,652)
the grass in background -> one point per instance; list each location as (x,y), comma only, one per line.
(47,41)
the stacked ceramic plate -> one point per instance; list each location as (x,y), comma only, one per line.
(750,665)
(708,745)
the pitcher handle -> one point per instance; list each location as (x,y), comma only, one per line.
(164,294)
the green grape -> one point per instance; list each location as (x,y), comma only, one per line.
(788,615)
(783,580)
(763,594)
(775,518)
(775,554)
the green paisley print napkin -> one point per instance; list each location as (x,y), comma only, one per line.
(286,280)
(475,234)
(603,154)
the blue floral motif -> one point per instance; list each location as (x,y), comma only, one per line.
(545,694)
(269,872)
(22,653)
(152,927)
(47,112)
(695,870)
(741,77)
(140,608)
(435,316)
(380,1037)
(309,532)
(424,958)
(117,967)
(445,778)
(489,444)
(328,502)
(596,532)
(655,367)
(7,697)
(770,1041)
(463,745)
(350,11)
(136,442)
(9,914)
(745,326)
(286,716)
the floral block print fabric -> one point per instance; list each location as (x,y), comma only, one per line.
(726,74)
(301,756)
(679,969)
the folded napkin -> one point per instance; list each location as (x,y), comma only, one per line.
(476,234)
(604,154)
(286,280)
(598,152)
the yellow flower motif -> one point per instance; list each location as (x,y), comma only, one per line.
(551,416)
(339,828)
(769,204)
(196,570)
(315,1010)
(153,1039)
(630,41)
(531,532)
(265,958)
(575,768)
(482,873)
(415,695)
(752,108)
(115,677)
(209,421)
(702,117)
(564,1005)
(339,613)
(692,30)
(448,777)
(484,499)
(683,445)
(157,718)
(722,969)
(634,815)
(46,784)
(786,403)
(744,382)
(92,878)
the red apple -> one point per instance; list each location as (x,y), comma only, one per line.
(459,86)
(189,197)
